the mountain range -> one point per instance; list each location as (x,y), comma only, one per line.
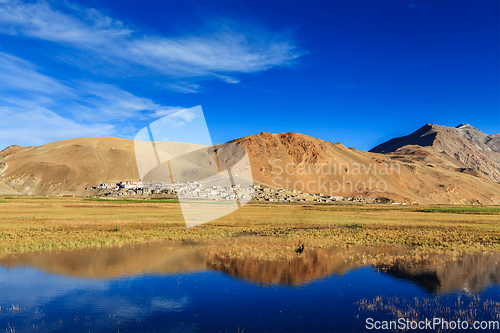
(468,147)
(435,164)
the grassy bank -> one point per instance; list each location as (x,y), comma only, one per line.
(464,210)
(48,223)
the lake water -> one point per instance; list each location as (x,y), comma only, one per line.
(178,287)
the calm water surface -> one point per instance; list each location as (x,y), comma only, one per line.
(178,287)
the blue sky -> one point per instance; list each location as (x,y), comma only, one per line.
(358,72)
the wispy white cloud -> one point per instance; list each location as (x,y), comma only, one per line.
(183,87)
(179,118)
(20,82)
(174,111)
(88,28)
(228,79)
(108,102)
(227,50)
(18,74)
(38,125)
(37,109)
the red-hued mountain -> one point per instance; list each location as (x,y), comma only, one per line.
(462,147)
(436,164)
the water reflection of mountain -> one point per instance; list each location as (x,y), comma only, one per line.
(435,273)
(438,275)
(110,262)
(310,265)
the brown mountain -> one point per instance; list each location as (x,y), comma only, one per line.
(67,167)
(288,160)
(292,160)
(464,148)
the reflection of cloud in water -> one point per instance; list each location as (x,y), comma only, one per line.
(161,304)
(98,303)
(37,288)
(126,305)
(143,286)
(434,273)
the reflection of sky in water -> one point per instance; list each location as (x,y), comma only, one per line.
(35,288)
(208,300)
(197,302)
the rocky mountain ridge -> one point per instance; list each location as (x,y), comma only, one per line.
(435,164)
(465,144)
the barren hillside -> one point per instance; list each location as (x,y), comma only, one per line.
(67,167)
(293,161)
(289,160)
(463,147)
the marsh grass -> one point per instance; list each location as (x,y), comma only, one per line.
(463,210)
(57,223)
(467,308)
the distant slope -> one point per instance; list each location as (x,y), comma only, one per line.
(288,160)
(463,147)
(5,190)
(67,166)
(308,158)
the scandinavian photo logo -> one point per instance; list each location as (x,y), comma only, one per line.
(176,154)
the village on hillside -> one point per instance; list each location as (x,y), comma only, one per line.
(196,190)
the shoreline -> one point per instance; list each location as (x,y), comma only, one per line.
(35,224)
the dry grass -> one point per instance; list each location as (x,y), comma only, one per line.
(468,309)
(37,224)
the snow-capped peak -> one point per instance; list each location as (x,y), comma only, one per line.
(463,126)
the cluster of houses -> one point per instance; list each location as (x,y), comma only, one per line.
(181,190)
(196,190)
(282,195)
(117,186)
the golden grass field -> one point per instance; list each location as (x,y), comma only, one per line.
(29,223)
